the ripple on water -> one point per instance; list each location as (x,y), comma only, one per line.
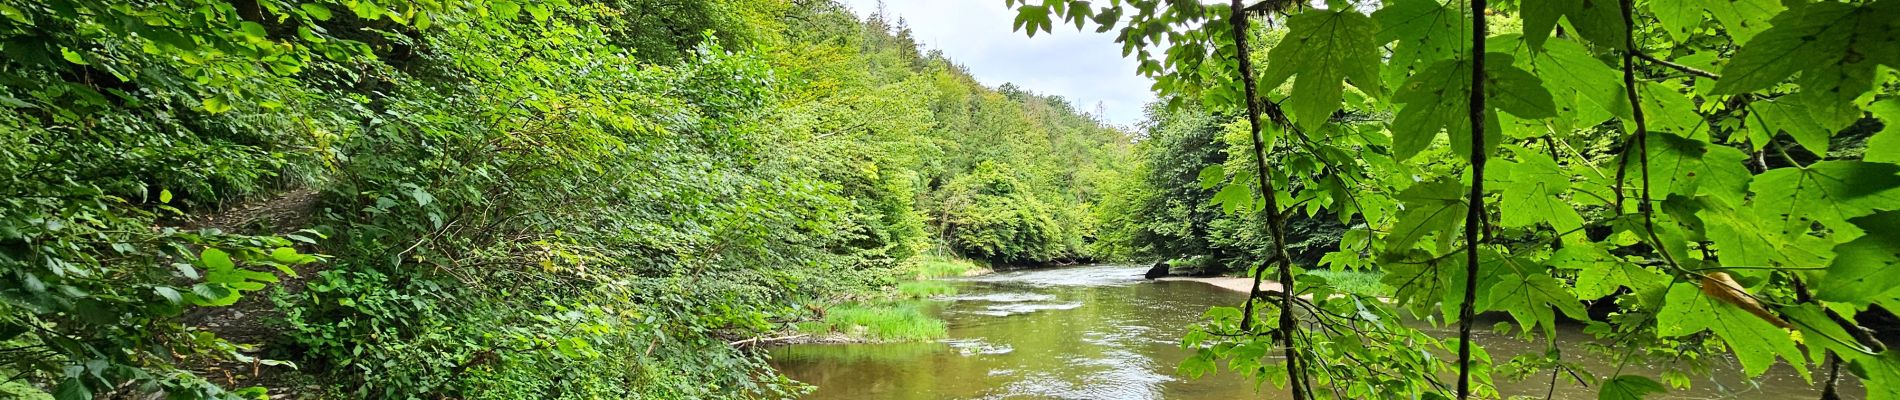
(971,347)
(1107,275)
(1025,308)
(1001,297)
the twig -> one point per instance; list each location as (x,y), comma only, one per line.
(1679,67)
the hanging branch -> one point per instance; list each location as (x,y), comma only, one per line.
(1276,223)
(1474,218)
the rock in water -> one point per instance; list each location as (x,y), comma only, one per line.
(1160,270)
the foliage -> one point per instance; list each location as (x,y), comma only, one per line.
(1714,170)
(513,199)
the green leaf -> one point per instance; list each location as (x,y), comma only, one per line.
(1680,165)
(72,389)
(1629,387)
(1212,175)
(1426,31)
(1803,122)
(1600,274)
(1678,17)
(505,9)
(288,256)
(1323,47)
(214,295)
(1234,198)
(170,294)
(1822,334)
(318,11)
(1755,342)
(1436,206)
(1743,239)
(1197,365)
(1577,81)
(1881,374)
(1032,18)
(14,13)
(216,104)
(1528,294)
(216,260)
(539,12)
(253,29)
(1540,18)
(1439,100)
(1514,90)
(1667,109)
(1867,268)
(1885,145)
(1600,22)
(1434,100)
(1828,192)
(72,56)
(1745,18)
(1819,35)
(1531,190)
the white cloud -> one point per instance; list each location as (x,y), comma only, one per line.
(1084,66)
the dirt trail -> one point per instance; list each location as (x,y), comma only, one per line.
(254,321)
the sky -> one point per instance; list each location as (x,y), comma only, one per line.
(1083,66)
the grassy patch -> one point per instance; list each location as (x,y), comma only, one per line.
(939,267)
(1363,283)
(924,289)
(880,322)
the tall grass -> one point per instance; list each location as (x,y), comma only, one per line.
(1363,283)
(932,267)
(879,322)
(924,289)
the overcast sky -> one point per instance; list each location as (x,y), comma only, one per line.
(1086,67)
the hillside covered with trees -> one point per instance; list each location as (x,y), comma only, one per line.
(492,199)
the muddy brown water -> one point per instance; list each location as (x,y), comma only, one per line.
(1101,332)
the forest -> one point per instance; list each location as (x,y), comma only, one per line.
(585,199)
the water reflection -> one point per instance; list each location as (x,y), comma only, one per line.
(1101,332)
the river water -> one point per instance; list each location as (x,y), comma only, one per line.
(1101,332)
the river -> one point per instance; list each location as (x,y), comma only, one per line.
(1101,332)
